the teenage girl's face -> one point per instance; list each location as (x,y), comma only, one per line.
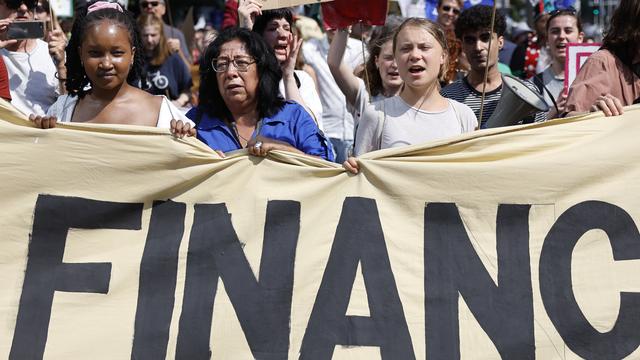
(563,29)
(278,34)
(419,57)
(107,55)
(387,66)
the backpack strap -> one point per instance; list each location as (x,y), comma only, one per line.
(382,116)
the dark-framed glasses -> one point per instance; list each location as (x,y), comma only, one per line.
(241,63)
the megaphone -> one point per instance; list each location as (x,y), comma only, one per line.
(517,101)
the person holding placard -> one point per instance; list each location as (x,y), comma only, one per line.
(610,78)
(563,27)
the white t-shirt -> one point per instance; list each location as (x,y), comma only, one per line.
(309,95)
(392,122)
(63,110)
(32,79)
(336,120)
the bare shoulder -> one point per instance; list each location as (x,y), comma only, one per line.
(143,98)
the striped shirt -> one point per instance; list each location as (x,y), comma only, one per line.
(461,91)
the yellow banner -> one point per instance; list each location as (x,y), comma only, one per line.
(123,242)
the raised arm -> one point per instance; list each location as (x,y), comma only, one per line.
(247,12)
(346,80)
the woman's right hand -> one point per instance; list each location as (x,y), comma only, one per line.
(247,12)
(351,165)
(43,122)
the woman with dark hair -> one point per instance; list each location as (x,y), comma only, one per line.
(239,105)
(275,27)
(166,72)
(610,78)
(103,63)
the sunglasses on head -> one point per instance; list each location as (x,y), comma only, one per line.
(15,4)
(558,12)
(447,8)
(146,4)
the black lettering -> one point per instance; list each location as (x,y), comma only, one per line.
(452,267)
(359,239)
(158,272)
(46,273)
(263,307)
(556,286)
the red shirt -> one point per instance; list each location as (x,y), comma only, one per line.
(4,81)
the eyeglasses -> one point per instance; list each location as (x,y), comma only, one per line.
(15,4)
(241,63)
(146,4)
(447,8)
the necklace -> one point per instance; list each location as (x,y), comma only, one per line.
(237,133)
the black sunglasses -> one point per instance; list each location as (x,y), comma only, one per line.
(447,8)
(145,4)
(565,11)
(15,4)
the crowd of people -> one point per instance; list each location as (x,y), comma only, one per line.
(274,80)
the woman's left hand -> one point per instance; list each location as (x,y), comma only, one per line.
(260,146)
(181,129)
(289,65)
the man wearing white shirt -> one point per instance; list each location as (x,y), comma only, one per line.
(336,119)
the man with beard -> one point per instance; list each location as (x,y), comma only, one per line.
(473,28)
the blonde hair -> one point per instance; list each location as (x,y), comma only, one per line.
(436,31)
(162,51)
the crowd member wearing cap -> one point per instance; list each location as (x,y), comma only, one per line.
(239,105)
(36,68)
(175,37)
(275,27)
(610,78)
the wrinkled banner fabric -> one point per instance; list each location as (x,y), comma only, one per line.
(515,243)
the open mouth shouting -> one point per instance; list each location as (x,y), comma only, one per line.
(417,70)
(561,48)
(281,50)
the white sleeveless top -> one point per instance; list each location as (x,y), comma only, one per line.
(63,110)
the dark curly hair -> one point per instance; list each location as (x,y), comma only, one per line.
(269,74)
(263,20)
(77,80)
(622,38)
(379,36)
(479,18)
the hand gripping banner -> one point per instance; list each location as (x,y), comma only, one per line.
(515,243)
